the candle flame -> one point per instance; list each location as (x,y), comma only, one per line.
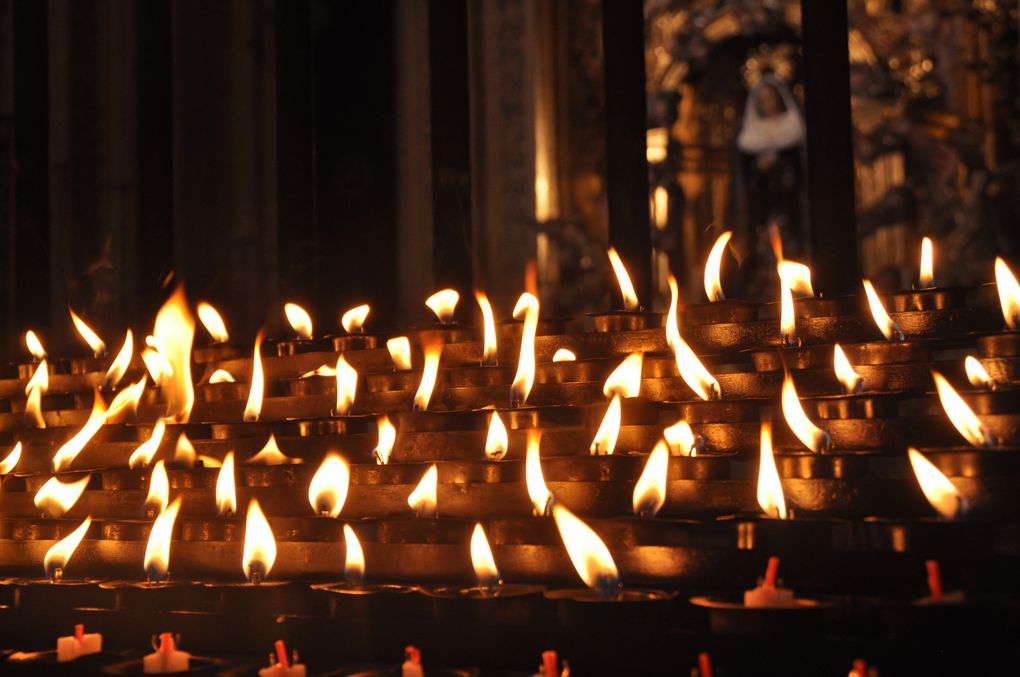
(977,374)
(681,439)
(1009,294)
(34,345)
(400,352)
(429,374)
(270,454)
(937,488)
(851,380)
(354,559)
(496,441)
(142,456)
(11,461)
(489,333)
(253,408)
(587,552)
(625,380)
(126,401)
(57,557)
(482,560)
(443,303)
(650,490)
(793,278)
(37,385)
(157,365)
(770,489)
(159,489)
(387,439)
(259,545)
(299,319)
(184,452)
(120,364)
(630,299)
(67,453)
(541,497)
(353,321)
(890,330)
(226,489)
(564,355)
(423,499)
(926,278)
(961,415)
(691,369)
(713,266)
(157,550)
(91,338)
(528,307)
(222,376)
(173,335)
(810,435)
(327,491)
(346,386)
(56,497)
(213,322)
(604,442)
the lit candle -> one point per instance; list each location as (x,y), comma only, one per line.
(78,644)
(166,658)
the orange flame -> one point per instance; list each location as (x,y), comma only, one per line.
(496,441)
(564,355)
(142,456)
(429,374)
(961,415)
(57,557)
(159,489)
(11,461)
(850,379)
(120,364)
(346,386)
(34,345)
(259,545)
(937,488)
(926,278)
(650,490)
(226,489)
(524,379)
(157,365)
(630,299)
(482,560)
(37,385)
(770,489)
(400,352)
(692,371)
(56,497)
(541,497)
(713,266)
(173,334)
(67,453)
(423,499)
(91,338)
(253,408)
(681,439)
(222,376)
(387,439)
(353,321)
(184,452)
(299,319)
(489,333)
(977,374)
(157,550)
(213,322)
(126,401)
(625,380)
(354,560)
(812,437)
(793,277)
(270,454)
(443,303)
(604,442)
(327,491)
(885,324)
(587,552)
(1009,294)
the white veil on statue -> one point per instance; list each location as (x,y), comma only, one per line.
(760,134)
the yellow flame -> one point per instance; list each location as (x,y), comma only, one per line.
(157,550)
(538,492)
(691,369)
(159,488)
(184,452)
(587,552)
(67,453)
(845,373)
(120,364)
(604,442)
(353,321)
(961,415)
(793,277)
(813,437)
(400,352)
(354,560)
(890,330)
(528,307)
(91,338)
(34,345)
(37,385)
(253,408)
(681,439)
(936,487)
(976,373)
(157,365)
(56,497)
(443,303)
(126,401)
(213,322)
(564,355)
(489,329)
(270,454)
(496,441)
(429,374)
(11,461)
(630,299)
(387,438)
(142,456)
(770,489)
(259,545)
(926,278)
(423,499)
(174,333)
(346,386)
(327,491)
(59,555)
(482,560)
(625,380)
(222,376)
(713,266)
(226,489)
(650,490)
(299,319)
(1009,294)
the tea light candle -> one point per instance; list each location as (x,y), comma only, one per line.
(283,667)
(412,663)
(768,594)
(166,658)
(79,644)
